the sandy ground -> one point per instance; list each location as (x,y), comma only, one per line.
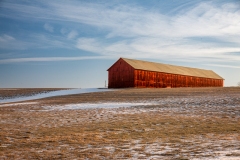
(183,123)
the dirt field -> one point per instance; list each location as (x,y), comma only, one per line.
(182,123)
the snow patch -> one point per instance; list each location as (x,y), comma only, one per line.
(96,105)
(16,104)
(54,93)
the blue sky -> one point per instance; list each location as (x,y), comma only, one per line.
(72,43)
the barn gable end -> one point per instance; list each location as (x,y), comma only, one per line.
(120,75)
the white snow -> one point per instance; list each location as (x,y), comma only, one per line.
(15,104)
(53,93)
(96,105)
(191,106)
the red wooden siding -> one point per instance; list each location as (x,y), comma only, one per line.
(151,79)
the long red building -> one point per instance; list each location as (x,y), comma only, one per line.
(136,73)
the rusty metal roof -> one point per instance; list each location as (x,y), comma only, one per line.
(166,68)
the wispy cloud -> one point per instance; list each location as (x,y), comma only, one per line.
(73,34)
(202,30)
(6,38)
(34,41)
(158,48)
(48,41)
(48,27)
(11,43)
(224,66)
(157,35)
(63,31)
(50,59)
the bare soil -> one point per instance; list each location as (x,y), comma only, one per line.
(182,123)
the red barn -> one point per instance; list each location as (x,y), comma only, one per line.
(136,73)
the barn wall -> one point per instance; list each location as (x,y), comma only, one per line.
(121,75)
(150,79)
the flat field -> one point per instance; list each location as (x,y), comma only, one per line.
(180,123)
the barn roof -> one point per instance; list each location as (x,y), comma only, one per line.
(166,68)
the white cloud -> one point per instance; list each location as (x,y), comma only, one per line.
(224,66)
(135,31)
(63,31)
(143,33)
(90,44)
(48,27)
(9,42)
(73,34)
(204,19)
(157,48)
(49,59)
(6,38)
